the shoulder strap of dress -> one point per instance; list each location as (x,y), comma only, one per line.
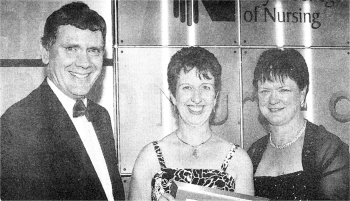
(228,157)
(159,155)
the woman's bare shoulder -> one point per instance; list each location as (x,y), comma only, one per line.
(222,143)
(147,154)
(168,138)
(240,158)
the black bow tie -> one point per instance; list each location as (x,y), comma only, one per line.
(79,109)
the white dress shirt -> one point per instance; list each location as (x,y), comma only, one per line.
(88,137)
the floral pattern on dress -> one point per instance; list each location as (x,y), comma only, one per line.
(211,178)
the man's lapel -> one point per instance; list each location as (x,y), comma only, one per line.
(65,133)
(102,125)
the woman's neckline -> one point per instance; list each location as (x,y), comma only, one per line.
(283,175)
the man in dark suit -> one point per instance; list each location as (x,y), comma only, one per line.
(56,144)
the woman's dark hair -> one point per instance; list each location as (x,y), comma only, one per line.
(277,64)
(194,57)
(77,14)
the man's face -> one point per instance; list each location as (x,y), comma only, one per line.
(75,60)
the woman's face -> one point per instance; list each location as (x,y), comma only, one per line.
(195,97)
(279,102)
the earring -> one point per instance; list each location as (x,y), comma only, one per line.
(175,110)
(303,106)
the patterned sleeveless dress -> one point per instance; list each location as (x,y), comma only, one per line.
(212,178)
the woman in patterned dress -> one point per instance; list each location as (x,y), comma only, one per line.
(193,153)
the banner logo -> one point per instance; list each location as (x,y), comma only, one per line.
(218,10)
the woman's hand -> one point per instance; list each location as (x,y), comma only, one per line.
(166,197)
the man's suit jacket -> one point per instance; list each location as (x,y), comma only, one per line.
(43,157)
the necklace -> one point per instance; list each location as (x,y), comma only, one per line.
(195,147)
(291,142)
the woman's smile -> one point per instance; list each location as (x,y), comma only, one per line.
(195,109)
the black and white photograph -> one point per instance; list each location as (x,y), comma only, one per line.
(175,100)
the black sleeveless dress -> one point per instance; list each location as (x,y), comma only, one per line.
(293,186)
(325,174)
(212,178)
